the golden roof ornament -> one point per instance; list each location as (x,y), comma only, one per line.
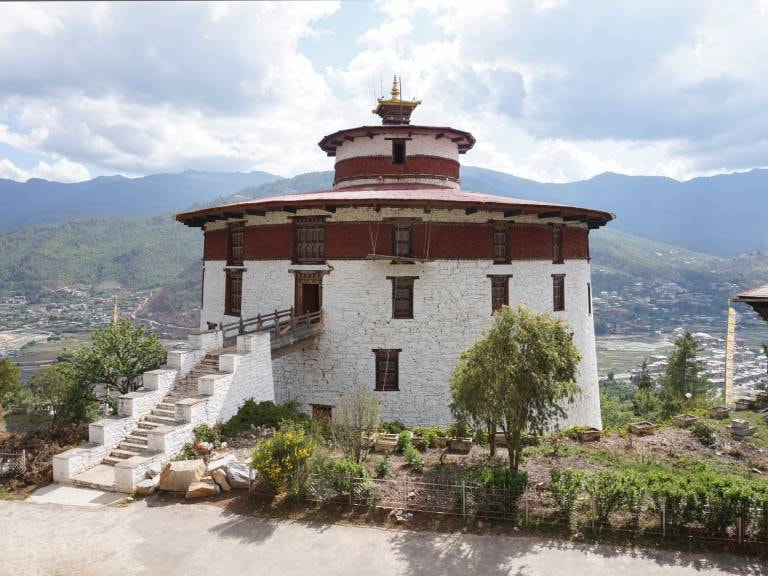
(394,110)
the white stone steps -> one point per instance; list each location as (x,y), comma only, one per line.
(137,439)
(166,413)
(160,420)
(111,460)
(132,447)
(146,425)
(170,406)
(124,454)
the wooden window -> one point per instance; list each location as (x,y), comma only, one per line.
(558,292)
(387,369)
(589,297)
(236,243)
(402,296)
(499,292)
(557,244)
(233,296)
(309,239)
(500,237)
(398,151)
(402,239)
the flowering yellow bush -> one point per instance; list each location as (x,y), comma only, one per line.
(280,459)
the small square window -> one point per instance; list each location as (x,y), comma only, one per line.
(387,369)
(558,292)
(398,151)
(309,238)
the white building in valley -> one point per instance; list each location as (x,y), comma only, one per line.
(397,268)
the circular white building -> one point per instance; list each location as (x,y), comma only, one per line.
(405,267)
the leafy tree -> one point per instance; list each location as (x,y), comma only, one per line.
(685,370)
(10,382)
(355,417)
(614,411)
(520,375)
(643,379)
(48,387)
(119,354)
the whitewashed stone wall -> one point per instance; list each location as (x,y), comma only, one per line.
(452,307)
(381,145)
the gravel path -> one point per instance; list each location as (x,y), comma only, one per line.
(155,538)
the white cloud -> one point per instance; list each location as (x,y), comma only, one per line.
(551,89)
(60,171)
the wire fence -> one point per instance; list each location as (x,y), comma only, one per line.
(531,507)
(13,463)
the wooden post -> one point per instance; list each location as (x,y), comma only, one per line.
(663,517)
(349,483)
(464,499)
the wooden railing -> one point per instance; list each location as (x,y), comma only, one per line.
(284,325)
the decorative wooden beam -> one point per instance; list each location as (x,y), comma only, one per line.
(214,217)
(510,213)
(552,214)
(470,210)
(350,138)
(239,215)
(255,212)
(575,218)
(289,209)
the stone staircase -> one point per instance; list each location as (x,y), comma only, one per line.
(164,412)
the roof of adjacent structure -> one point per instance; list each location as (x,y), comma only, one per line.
(396,196)
(464,140)
(755,294)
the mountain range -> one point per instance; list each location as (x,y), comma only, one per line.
(720,215)
(43,202)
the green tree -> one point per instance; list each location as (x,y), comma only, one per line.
(49,386)
(614,411)
(643,379)
(520,376)
(685,371)
(10,382)
(119,354)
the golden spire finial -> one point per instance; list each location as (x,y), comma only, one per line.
(395,88)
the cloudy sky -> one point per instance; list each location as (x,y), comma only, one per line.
(553,90)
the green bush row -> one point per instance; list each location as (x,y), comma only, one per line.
(713,501)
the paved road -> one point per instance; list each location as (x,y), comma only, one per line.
(58,540)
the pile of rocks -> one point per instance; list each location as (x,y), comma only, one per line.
(196,480)
(740,429)
(249,438)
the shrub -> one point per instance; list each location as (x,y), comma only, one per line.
(281,459)
(393,427)
(404,440)
(609,491)
(500,490)
(413,458)
(481,437)
(430,435)
(188,452)
(381,467)
(566,485)
(355,418)
(204,433)
(261,414)
(420,443)
(704,433)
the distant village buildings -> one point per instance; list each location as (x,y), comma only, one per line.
(405,267)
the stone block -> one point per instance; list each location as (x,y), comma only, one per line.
(177,476)
(201,490)
(220,477)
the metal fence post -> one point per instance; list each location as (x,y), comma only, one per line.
(463,498)
(594,511)
(349,482)
(739,529)
(664,517)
